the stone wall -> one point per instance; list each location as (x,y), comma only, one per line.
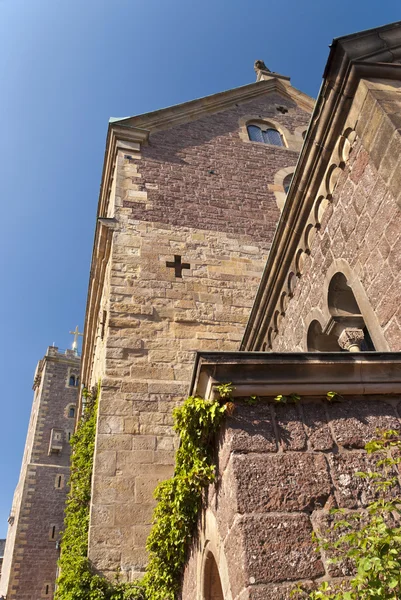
(198,191)
(37,514)
(281,468)
(358,234)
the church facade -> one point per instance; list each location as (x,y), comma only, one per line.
(189,203)
(250,237)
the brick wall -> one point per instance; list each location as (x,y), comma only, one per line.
(280,470)
(167,202)
(38,507)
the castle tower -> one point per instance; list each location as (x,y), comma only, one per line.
(189,202)
(37,514)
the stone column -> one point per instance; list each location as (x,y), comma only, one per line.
(351,339)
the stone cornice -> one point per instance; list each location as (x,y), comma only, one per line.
(316,173)
(266,374)
(101,252)
(195,109)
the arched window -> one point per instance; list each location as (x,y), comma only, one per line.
(72,381)
(71,412)
(287,182)
(77,382)
(265,135)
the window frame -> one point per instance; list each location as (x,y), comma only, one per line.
(264,127)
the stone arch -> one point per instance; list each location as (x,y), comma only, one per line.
(278,186)
(301,131)
(212,588)
(340,297)
(318,341)
(366,312)
(212,549)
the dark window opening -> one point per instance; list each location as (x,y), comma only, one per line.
(287,182)
(53,532)
(103,325)
(71,412)
(72,381)
(59,481)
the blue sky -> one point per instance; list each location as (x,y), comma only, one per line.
(66,66)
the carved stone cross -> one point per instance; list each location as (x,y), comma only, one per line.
(177,265)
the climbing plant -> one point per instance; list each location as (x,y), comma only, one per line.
(369,539)
(175,517)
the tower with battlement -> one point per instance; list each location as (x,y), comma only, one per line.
(37,513)
(189,203)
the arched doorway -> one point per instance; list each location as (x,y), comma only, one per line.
(212,589)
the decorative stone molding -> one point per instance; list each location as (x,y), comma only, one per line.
(336,165)
(297,372)
(351,339)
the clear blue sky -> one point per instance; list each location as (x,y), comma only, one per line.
(66,66)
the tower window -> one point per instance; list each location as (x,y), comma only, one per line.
(265,136)
(72,381)
(71,412)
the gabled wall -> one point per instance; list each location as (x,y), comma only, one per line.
(197,190)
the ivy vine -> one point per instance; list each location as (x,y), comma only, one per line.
(370,539)
(175,516)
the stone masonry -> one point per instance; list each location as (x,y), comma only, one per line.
(196,193)
(37,514)
(281,467)
(349,227)
(360,226)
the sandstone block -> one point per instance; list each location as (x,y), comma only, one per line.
(276,548)
(290,428)
(106,462)
(120,441)
(281,482)
(355,421)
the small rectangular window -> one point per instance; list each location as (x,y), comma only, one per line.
(103,325)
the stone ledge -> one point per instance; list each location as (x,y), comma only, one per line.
(266,374)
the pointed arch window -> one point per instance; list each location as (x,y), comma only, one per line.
(265,135)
